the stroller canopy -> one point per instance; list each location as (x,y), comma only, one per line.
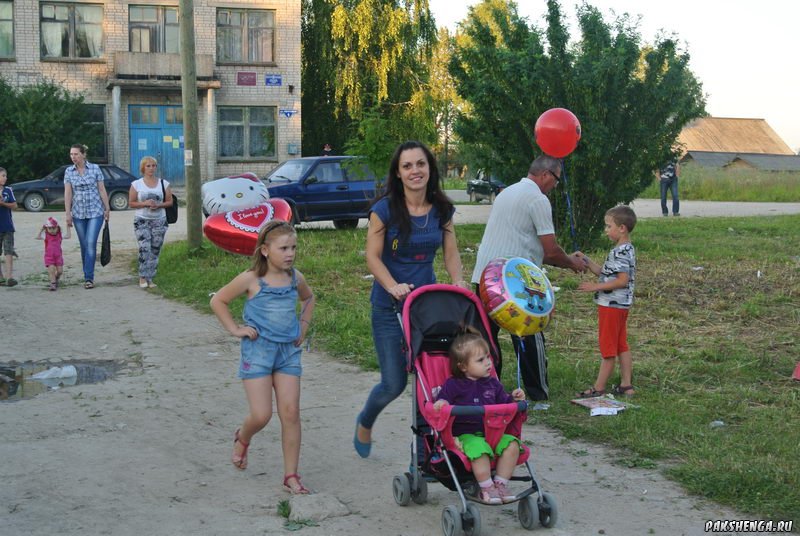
(433,315)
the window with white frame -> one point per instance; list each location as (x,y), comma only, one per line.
(6,29)
(71,30)
(245,36)
(153,29)
(246,132)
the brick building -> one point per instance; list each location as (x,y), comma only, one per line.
(122,55)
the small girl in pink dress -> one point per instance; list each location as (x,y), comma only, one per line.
(53,256)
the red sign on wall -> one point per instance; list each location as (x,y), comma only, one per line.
(245,78)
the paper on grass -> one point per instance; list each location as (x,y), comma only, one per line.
(604,411)
(601,405)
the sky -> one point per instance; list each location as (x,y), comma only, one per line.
(746,53)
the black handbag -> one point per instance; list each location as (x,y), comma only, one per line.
(172,212)
(105,247)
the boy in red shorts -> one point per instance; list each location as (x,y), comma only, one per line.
(613,294)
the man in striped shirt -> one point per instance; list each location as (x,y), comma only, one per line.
(521,225)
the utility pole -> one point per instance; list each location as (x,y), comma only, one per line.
(191,159)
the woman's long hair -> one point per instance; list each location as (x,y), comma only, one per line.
(434,194)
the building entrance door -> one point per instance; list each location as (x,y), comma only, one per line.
(157,131)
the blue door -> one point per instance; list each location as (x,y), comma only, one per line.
(157,131)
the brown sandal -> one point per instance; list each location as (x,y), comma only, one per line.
(301,490)
(240,462)
(623,390)
(591,393)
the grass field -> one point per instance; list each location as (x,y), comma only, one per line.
(705,184)
(713,333)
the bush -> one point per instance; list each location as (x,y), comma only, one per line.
(38,124)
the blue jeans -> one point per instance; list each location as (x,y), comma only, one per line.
(88,230)
(672,185)
(388,339)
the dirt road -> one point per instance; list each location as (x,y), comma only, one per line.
(147,452)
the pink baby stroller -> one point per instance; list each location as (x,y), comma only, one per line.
(431,318)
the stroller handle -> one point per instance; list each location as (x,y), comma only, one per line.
(480,410)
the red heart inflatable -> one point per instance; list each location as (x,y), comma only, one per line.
(237,231)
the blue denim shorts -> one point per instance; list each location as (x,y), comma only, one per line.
(263,358)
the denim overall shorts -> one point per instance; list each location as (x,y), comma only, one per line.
(273,312)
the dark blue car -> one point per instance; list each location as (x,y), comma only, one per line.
(39,194)
(321,188)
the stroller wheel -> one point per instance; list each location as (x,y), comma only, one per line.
(401,489)
(451,521)
(471,521)
(420,493)
(548,510)
(528,512)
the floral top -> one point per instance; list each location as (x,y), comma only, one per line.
(86,201)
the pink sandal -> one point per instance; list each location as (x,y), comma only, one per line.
(240,462)
(302,490)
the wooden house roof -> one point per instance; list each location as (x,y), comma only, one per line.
(764,162)
(732,135)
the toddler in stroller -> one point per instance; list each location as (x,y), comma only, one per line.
(433,317)
(473,384)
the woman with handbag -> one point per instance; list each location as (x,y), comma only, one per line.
(149,195)
(86,206)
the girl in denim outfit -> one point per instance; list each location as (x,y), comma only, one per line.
(271,336)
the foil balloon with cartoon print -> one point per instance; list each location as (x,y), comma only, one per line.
(517,295)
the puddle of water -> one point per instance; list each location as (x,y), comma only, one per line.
(16,382)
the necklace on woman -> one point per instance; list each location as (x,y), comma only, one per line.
(425,223)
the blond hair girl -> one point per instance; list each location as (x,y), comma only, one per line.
(271,339)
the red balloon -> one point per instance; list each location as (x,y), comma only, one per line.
(557,132)
(237,231)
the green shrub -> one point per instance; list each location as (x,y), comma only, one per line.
(38,124)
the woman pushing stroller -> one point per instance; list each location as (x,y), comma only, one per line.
(407,225)
(473,384)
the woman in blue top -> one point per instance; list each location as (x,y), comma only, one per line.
(407,225)
(86,205)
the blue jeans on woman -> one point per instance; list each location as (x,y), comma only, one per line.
(388,338)
(88,229)
(672,185)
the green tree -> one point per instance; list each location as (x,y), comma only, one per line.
(632,102)
(37,126)
(363,72)
(364,75)
(444,98)
(321,123)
